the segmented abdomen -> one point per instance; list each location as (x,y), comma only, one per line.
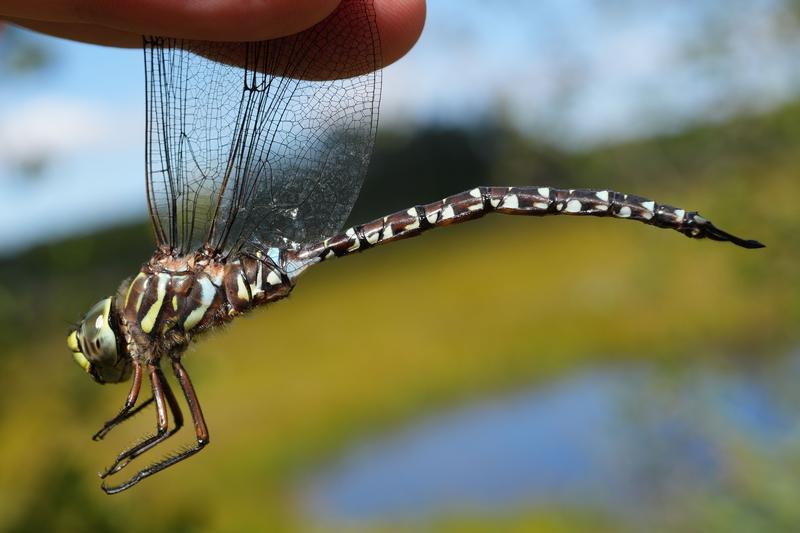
(477,202)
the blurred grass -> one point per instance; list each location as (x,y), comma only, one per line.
(366,343)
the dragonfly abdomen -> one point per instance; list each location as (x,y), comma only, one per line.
(527,201)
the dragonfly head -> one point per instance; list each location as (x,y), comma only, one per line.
(95,347)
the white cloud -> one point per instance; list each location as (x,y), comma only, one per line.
(51,126)
(94,151)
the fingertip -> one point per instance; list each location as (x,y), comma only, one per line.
(400,23)
(215,20)
(85,33)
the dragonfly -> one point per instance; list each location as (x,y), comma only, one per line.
(255,154)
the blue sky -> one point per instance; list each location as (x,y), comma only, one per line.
(577,72)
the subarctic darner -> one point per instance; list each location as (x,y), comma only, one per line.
(255,153)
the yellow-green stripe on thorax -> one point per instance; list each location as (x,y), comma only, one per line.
(201,295)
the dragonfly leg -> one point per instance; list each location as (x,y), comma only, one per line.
(200,428)
(201,432)
(162,393)
(528,201)
(127,410)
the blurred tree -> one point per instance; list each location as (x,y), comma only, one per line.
(22,55)
(21,52)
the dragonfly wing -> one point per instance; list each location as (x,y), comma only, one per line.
(263,141)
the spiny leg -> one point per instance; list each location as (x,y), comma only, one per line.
(530,201)
(200,428)
(122,417)
(162,393)
(126,412)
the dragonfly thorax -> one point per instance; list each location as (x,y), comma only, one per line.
(170,301)
(166,306)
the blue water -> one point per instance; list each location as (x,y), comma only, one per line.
(615,439)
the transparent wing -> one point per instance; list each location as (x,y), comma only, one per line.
(260,141)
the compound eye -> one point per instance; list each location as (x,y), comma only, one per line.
(97,339)
(94,346)
(82,361)
(77,355)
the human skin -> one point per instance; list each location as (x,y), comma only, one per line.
(123,22)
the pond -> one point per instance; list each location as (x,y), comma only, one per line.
(622,440)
